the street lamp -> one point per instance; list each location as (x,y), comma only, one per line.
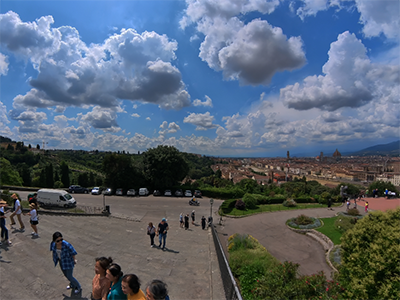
(211,204)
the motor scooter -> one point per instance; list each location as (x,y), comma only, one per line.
(194,202)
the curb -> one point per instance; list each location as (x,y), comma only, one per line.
(321,238)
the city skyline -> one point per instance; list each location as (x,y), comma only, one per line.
(242,78)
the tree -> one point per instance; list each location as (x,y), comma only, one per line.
(9,176)
(49,176)
(370,257)
(64,171)
(37,146)
(120,172)
(164,166)
(26,175)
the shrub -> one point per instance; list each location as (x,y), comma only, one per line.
(303,220)
(251,200)
(344,223)
(315,223)
(353,212)
(227,206)
(240,205)
(304,199)
(289,203)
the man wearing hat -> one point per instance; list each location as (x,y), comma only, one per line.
(162,232)
(4,230)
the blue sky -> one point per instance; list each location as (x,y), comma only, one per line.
(214,77)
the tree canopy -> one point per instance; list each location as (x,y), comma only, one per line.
(370,257)
(164,166)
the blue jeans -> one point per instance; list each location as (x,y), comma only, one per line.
(73,282)
(4,230)
(162,236)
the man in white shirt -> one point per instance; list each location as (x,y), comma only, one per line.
(17,212)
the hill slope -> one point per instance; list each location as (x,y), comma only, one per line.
(392,149)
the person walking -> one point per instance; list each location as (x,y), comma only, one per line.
(34,219)
(181,220)
(114,274)
(4,230)
(162,232)
(151,231)
(192,216)
(366,206)
(17,212)
(348,204)
(203,222)
(131,287)
(187,222)
(64,253)
(100,283)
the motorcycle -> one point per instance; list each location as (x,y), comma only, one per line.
(194,202)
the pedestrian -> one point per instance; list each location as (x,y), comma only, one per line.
(33,199)
(181,220)
(162,232)
(131,287)
(348,204)
(355,203)
(114,274)
(17,212)
(157,290)
(203,222)
(100,283)
(4,230)
(64,253)
(366,206)
(329,204)
(34,219)
(192,216)
(187,222)
(151,231)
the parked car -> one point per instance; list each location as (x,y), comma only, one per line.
(108,191)
(119,192)
(77,189)
(131,192)
(178,193)
(167,193)
(143,192)
(197,194)
(156,193)
(188,193)
(96,191)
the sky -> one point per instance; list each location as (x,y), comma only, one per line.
(228,78)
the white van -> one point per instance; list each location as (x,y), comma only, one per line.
(51,197)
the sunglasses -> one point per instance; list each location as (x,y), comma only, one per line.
(60,240)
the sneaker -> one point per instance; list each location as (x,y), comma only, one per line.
(1,243)
(35,235)
(32,233)
(151,246)
(159,246)
(68,287)
(22,229)
(77,291)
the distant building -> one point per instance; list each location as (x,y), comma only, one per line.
(337,155)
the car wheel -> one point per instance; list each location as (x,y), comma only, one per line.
(86,192)
(73,192)
(65,206)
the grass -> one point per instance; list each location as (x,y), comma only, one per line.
(329,230)
(273,207)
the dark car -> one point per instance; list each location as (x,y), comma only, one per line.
(131,192)
(77,189)
(178,193)
(108,191)
(156,193)
(197,194)
(120,192)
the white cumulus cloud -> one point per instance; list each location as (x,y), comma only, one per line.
(202,121)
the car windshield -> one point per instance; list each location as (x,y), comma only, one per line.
(68,196)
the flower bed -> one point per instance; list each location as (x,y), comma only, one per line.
(315,223)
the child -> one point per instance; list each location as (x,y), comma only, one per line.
(34,219)
(366,206)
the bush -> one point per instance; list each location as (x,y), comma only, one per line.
(240,205)
(344,223)
(227,206)
(251,200)
(290,203)
(303,220)
(315,223)
(304,199)
(353,212)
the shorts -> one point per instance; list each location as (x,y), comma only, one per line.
(34,222)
